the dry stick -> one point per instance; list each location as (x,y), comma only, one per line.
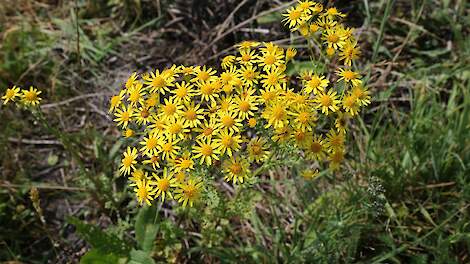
(243,24)
(229,17)
(70,100)
(44,187)
(35,141)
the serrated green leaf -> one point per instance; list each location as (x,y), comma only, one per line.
(145,228)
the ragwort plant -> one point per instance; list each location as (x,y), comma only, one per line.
(186,123)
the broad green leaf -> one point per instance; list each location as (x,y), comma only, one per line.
(274,17)
(296,67)
(146,228)
(140,257)
(97,257)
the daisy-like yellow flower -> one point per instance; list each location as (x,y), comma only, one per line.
(206,151)
(144,192)
(304,118)
(131,81)
(136,94)
(169,148)
(183,92)
(228,120)
(334,140)
(327,102)
(116,101)
(192,115)
(301,137)
(349,76)
(281,134)
(186,70)
(228,142)
(247,57)
(204,74)
(257,150)
(290,53)
(293,17)
(362,94)
(248,75)
(153,161)
(228,62)
(158,82)
(316,149)
(164,184)
(11,94)
(349,52)
(246,106)
(138,175)
(129,161)
(31,97)
(170,108)
(276,114)
(333,38)
(124,115)
(341,122)
(309,174)
(316,84)
(236,169)
(332,13)
(273,78)
(207,129)
(150,145)
(207,91)
(350,104)
(176,128)
(189,192)
(143,115)
(271,60)
(153,99)
(326,22)
(128,133)
(247,44)
(335,158)
(184,163)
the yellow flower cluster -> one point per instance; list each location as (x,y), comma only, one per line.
(186,121)
(27,97)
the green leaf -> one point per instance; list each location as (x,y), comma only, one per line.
(97,257)
(270,18)
(100,240)
(140,257)
(295,67)
(145,228)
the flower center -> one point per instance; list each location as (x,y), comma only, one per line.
(325,100)
(244,106)
(163,184)
(206,150)
(235,168)
(228,121)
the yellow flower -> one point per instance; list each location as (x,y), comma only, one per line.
(138,175)
(164,184)
(183,92)
(207,91)
(362,94)
(227,120)
(228,61)
(154,161)
(271,60)
(206,151)
(203,74)
(276,114)
(150,145)
(247,44)
(252,122)
(124,115)
(176,128)
(131,81)
(349,52)
(169,148)
(248,75)
(316,150)
(136,94)
(158,82)
(129,160)
(128,133)
(144,115)
(11,94)
(207,129)
(349,76)
(334,141)
(192,115)
(350,104)
(327,102)
(316,84)
(304,118)
(333,38)
(189,192)
(144,192)
(247,57)
(293,17)
(227,142)
(236,169)
(309,174)
(170,108)
(341,122)
(116,100)
(335,158)
(257,150)
(184,163)
(245,106)
(31,97)
(332,12)
(273,78)
(290,53)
